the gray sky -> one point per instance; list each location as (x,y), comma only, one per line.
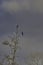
(29,15)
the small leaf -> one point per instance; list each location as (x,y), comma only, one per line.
(5,42)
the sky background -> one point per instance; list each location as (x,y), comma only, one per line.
(29,15)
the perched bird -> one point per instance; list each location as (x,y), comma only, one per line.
(22,33)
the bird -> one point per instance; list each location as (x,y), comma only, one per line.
(22,33)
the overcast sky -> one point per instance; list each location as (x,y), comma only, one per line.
(29,15)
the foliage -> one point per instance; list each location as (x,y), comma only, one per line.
(13,44)
(35,59)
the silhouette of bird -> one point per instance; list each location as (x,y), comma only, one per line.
(22,33)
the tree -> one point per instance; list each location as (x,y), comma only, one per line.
(35,59)
(13,44)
